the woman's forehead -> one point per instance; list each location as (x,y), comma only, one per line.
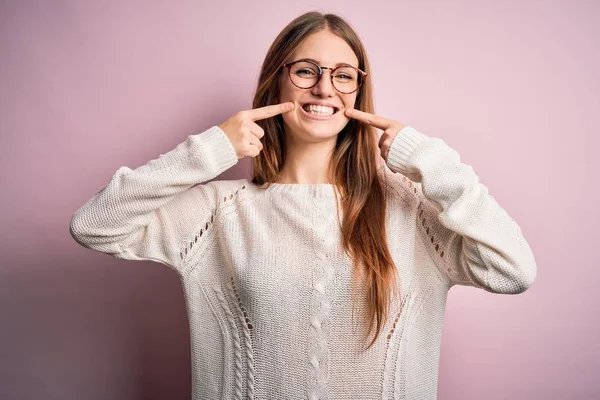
(326,49)
(330,61)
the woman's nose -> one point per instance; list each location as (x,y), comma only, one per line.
(324,87)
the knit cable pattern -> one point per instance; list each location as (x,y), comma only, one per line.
(237,356)
(318,356)
(246,325)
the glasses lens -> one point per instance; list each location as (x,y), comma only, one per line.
(304,74)
(346,79)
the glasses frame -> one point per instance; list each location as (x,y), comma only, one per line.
(320,75)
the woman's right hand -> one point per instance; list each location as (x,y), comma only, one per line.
(244,134)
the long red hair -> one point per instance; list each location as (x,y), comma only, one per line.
(354,167)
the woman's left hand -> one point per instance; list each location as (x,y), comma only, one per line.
(390,127)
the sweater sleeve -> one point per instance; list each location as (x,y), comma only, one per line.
(152,212)
(472,240)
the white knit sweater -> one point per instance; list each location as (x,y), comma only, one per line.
(268,286)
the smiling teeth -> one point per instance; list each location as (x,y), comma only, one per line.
(320,110)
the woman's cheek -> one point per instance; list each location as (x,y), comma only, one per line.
(288,119)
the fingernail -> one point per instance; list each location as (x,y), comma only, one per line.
(348,111)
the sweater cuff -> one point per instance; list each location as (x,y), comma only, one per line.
(215,148)
(403,145)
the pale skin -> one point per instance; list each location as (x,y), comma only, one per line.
(309,143)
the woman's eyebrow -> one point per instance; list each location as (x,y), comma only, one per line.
(336,65)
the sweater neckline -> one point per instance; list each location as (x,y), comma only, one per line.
(303,189)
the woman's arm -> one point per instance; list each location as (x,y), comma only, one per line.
(471,237)
(153,211)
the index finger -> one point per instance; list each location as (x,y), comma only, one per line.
(270,111)
(371,119)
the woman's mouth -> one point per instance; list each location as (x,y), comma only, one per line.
(319,112)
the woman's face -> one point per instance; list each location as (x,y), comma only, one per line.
(327,50)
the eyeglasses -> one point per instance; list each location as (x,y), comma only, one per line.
(305,74)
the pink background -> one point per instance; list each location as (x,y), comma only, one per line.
(87,87)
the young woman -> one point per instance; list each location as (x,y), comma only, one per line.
(325,276)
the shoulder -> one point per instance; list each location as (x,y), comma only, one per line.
(221,192)
(222,188)
(399,189)
(410,192)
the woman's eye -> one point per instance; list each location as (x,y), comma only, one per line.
(305,72)
(346,75)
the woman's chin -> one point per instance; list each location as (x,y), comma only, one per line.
(321,131)
(315,129)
